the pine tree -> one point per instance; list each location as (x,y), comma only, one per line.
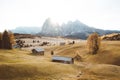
(6,40)
(93,43)
(0,40)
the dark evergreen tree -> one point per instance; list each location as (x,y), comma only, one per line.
(6,40)
(0,40)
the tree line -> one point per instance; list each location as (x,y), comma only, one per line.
(6,40)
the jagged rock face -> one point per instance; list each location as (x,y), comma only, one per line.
(74,29)
(50,28)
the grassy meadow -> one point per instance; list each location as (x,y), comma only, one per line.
(20,64)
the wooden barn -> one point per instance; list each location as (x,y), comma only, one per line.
(62,59)
(38,51)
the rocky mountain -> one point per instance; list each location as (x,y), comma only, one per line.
(50,29)
(26,30)
(72,29)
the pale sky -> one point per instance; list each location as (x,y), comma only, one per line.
(103,14)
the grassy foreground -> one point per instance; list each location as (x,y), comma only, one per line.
(21,65)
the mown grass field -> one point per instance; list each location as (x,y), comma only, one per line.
(19,64)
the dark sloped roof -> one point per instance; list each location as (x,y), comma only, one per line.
(61,58)
(38,49)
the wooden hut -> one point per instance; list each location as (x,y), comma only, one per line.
(38,51)
(62,59)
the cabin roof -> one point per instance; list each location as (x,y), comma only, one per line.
(38,49)
(61,58)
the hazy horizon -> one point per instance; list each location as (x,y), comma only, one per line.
(102,14)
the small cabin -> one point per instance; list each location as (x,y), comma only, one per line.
(38,51)
(16,46)
(62,59)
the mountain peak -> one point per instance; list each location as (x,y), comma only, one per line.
(70,29)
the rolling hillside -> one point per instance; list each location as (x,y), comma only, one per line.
(21,65)
(109,52)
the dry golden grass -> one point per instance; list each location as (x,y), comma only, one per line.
(21,65)
(35,71)
(109,52)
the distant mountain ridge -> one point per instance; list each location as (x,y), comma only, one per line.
(72,29)
(26,30)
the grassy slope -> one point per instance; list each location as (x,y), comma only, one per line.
(20,65)
(109,52)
